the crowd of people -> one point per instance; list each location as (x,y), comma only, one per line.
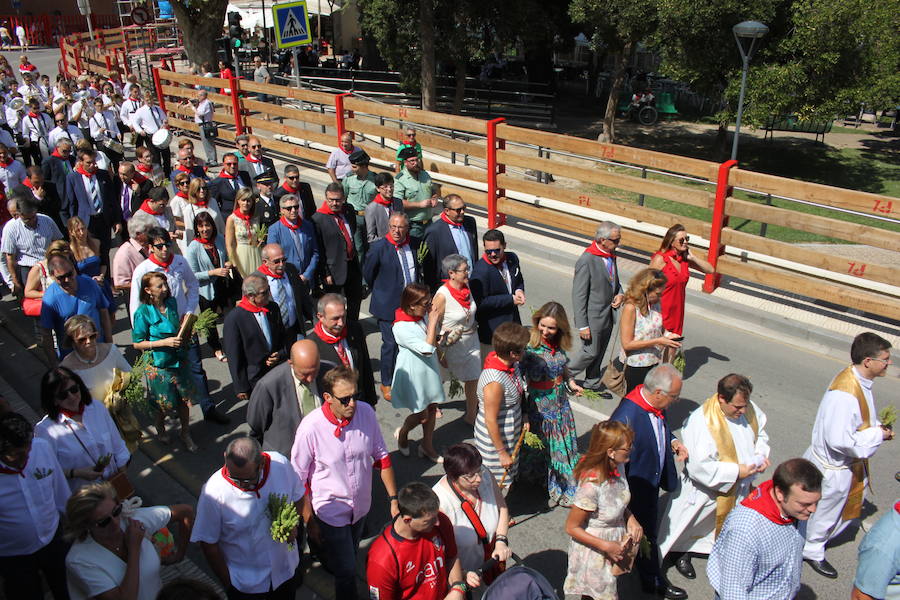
(288,273)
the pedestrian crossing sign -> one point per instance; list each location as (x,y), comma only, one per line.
(291,24)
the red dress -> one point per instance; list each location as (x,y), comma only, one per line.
(674,293)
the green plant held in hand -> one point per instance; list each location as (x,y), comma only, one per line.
(260,232)
(533,441)
(422,253)
(456,388)
(888,416)
(645,547)
(591,395)
(134,393)
(206,322)
(284,517)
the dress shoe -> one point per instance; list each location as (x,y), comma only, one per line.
(683,565)
(666,590)
(386,392)
(823,568)
(216,416)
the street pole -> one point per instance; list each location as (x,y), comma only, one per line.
(319,30)
(740,110)
(753,31)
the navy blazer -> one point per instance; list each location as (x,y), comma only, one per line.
(384,276)
(137,198)
(55,170)
(221,189)
(644,461)
(332,245)
(494,302)
(246,349)
(359,352)
(441,245)
(78,203)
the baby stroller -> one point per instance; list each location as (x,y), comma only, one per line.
(520,583)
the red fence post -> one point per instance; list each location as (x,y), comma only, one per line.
(234,84)
(494,168)
(77,51)
(719,220)
(339,115)
(62,52)
(157,83)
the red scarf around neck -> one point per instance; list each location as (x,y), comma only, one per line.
(251,158)
(492,361)
(381,200)
(597,251)
(245,218)
(326,410)
(34,115)
(400,316)
(463,295)
(165,265)
(204,203)
(27,183)
(180,194)
(143,168)
(73,413)
(329,338)
(761,501)
(638,398)
(205,241)
(449,221)
(267,465)
(10,471)
(265,270)
(183,169)
(326,210)
(226,175)
(498,265)
(250,307)
(554,346)
(397,245)
(290,225)
(9,161)
(145,206)
(288,188)
(57,154)
(80,169)
(347,152)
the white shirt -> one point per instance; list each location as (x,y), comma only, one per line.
(97,432)
(129,107)
(148,119)
(340,162)
(91,569)
(236,520)
(69,131)
(36,128)
(182,284)
(12,175)
(187,212)
(30,506)
(203,112)
(86,106)
(33,90)
(14,119)
(104,120)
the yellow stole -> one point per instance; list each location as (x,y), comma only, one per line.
(846,381)
(717,425)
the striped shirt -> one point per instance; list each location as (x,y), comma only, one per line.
(509,419)
(28,246)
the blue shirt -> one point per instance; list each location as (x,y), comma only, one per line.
(878,573)
(58,306)
(461,239)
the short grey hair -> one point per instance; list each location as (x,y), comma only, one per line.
(452,262)
(63,142)
(330,298)
(243,450)
(238,139)
(606,229)
(253,283)
(661,378)
(140,223)
(287,198)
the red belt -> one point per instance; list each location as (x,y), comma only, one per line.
(546,384)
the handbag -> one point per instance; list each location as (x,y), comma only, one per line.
(210,130)
(614,376)
(481,533)
(631,549)
(32,306)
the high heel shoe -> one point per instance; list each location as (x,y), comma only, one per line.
(403,450)
(438,459)
(189,444)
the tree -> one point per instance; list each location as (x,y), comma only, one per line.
(616,26)
(201,24)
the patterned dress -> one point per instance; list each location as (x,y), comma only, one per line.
(551,417)
(509,419)
(169,377)
(247,257)
(590,573)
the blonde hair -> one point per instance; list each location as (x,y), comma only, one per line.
(81,506)
(555,311)
(77,323)
(641,284)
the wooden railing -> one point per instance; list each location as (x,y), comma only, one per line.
(309,122)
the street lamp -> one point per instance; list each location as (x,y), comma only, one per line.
(745,30)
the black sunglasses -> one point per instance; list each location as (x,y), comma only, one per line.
(64,276)
(493,251)
(104,523)
(161,246)
(63,394)
(291,207)
(346,399)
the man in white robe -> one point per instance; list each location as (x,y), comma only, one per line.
(714,479)
(846,433)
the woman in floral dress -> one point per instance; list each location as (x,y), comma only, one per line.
(605,535)
(550,415)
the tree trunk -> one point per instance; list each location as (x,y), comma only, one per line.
(426,38)
(608,135)
(460,93)
(720,146)
(201,24)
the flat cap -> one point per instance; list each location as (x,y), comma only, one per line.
(408,152)
(267,177)
(359,157)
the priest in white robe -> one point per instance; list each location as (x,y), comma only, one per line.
(846,433)
(728,445)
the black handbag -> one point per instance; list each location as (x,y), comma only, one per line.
(210,130)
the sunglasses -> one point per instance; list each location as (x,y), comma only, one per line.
(493,251)
(63,394)
(346,399)
(65,276)
(614,240)
(104,523)
(245,483)
(291,207)
(291,177)
(256,146)
(277,261)
(162,245)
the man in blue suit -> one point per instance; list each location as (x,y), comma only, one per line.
(453,233)
(297,237)
(391,265)
(652,465)
(497,286)
(91,196)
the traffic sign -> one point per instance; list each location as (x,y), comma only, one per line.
(291,24)
(140,16)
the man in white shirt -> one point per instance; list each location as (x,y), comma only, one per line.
(62,130)
(103,129)
(36,126)
(130,106)
(33,495)
(234,531)
(30,88)
(12,172)
(146,121)
(25,242)
(203,113)
(846,433)
(82,111)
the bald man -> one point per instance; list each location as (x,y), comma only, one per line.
(283,397)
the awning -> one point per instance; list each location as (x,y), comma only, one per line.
(252,12)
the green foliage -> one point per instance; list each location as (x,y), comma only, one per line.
(201,22)
(533,441)
(456,389)
(614,23)
(206,321)
(888,416)
(283,515)
(135,393)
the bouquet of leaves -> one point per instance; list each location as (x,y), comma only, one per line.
(206,322)
(260,232)
(888,416)
(532,440)
(456,388)
(422,252)
(284,517)
(102,463)
(134,391)
(591,395)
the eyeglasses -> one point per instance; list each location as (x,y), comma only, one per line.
(104,523)
(346,399)
(290,208)
(184,183)
(277,261)
(244,483)
(472,476)
(65,276)
(63,394)
(614,240)
(886,361)
(493,251)
(161,245)
(460,209)
(256,146)
(291,177)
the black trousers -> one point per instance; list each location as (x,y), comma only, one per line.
(22,574)
(285,591)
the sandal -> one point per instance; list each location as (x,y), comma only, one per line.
(220,356)
(403,450)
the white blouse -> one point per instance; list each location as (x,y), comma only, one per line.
(470,550)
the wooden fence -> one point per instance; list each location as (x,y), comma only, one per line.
(309,123)
(109,51)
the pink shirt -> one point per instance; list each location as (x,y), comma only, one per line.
(338,469)
(127,257)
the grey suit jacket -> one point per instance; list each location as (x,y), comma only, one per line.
(593,292)
(377,219)
(273,412)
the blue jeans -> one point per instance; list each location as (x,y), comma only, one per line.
(338,553)
(389,351)
(199,374)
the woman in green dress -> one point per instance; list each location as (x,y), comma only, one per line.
(549,383)
(168,375)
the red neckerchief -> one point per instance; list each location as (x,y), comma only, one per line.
(447,220)
(250,158)
(397,245)
(290,225)
(183,169)
(463,296)
(73,413)
(897,507)
(250,307)
(409,143)
(265,270)
(347,152)
(761,501)
(27,67)
(343,227)
(145,206)
(472,514)
(199,202)
(57,154)
(164,265)
(381,200)
(288,188)
(8,162)
(334,340)
(181,194)
(326,210)
(10,471)
(267,464)
(615,472)
(226,175)
(597,251)
(80,169)
(140,178)
(498,265)
(400,316)
(245,218)
(492,361)
(34,115)
(27,182)
(554,347)
(638,398)
(143,168)
(205,241)
(326,410)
